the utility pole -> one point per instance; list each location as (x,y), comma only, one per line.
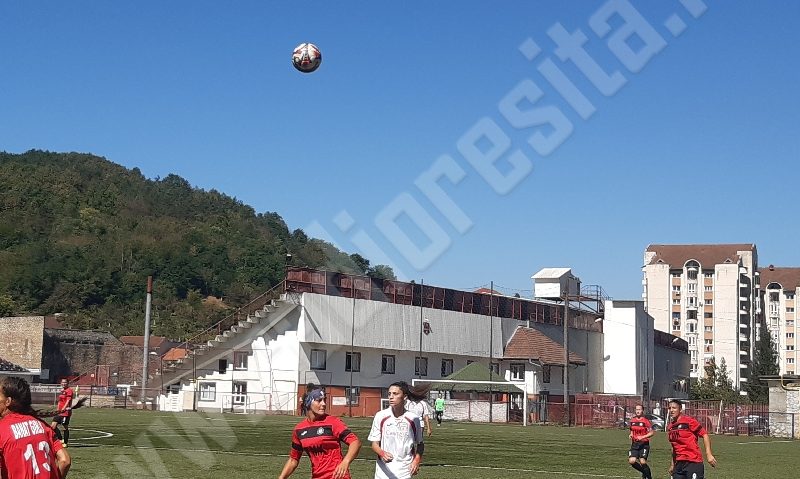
(418,362)
(491,352)
(352,355)
(146,344)
(566,358)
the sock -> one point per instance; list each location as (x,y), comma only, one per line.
(66,435)
(637,466)
(646,472)
(58,433)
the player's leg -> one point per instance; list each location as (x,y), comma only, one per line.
(633,458)
(54,426)
(645,452)
(65,424)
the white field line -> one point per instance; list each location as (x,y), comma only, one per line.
(102,434)
(267,454)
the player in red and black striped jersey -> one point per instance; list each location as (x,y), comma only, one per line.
(320,436)
(28,447)
(64,411)
(641,432)
(683,432)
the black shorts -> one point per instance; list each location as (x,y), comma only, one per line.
(63,420)
(639,450)
(688,470)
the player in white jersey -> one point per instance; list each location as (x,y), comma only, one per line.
(421,408)
(396,437)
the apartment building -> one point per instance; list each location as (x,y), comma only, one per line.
(780,287)
(707,295)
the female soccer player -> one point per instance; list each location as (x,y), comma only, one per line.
(641,432)
(396,437)
(64,412)
(320,436)
(28,447)
(417,404)
(683,432)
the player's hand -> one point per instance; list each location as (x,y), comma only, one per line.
(387,456)
(671,469)
(712,460)
(340,471)
(414,467)
(430,431)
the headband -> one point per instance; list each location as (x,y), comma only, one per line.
(314,395)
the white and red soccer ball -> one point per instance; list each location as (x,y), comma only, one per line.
(306,57)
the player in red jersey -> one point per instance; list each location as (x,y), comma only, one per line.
(64,411)
(320,436)
(683,432)
(641,432)
(28,448)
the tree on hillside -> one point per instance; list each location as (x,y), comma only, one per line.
(765,363)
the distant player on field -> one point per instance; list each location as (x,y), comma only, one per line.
(320,436)
(28,447)
(641,432)
(64,411)
(683,432)
(396,437)
(416,403)
(438,407)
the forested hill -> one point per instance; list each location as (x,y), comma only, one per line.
(80,234)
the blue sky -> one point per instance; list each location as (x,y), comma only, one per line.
(699,145)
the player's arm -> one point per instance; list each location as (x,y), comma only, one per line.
(63,462)
(709,455)
(288,468)
(384,455)
(352,452)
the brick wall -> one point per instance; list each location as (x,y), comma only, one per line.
(74,353)
(22,339)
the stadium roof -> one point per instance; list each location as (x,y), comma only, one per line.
(9,367)
(529,343)
(475,372)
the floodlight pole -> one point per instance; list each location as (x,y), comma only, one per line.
(418,361)
(146,340)
(491,352)
(566,359)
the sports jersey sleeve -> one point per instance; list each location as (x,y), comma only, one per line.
(297,449)
(427,408)
(697,428)
(375,431)
(341,431)
(418,438)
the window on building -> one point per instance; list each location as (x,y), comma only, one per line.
(789,295)
(708,315)
(790,323)
(709,301)
(319,359)
(691,314)
(708,342)
(517,371)
(691,274)
(789,360)
(675,274)
(676,302)
(790,372)
(546,370)
(708,329)
(208,391)
(708,288)
(790,347)
(495,367)
(239,392)
(676,315)
(693,368)
(352,361)
(692,341)
(790,309)
(789,335)
(447,367)
(222,366)
(420,366)
(353,395)
(773,296)
(691,327)
(691,288)
(387,364)
(708,274)
(240,360)
(676,325)
(691,301)
(676,288)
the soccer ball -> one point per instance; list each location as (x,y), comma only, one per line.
(306,57)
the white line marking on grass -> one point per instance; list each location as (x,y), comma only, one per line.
(764,442)
(103,434)
(268,454)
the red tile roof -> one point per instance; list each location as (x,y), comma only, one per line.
(705,254)
(175,354)
(529,343)
(788,278)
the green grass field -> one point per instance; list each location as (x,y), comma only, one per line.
(195,446)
